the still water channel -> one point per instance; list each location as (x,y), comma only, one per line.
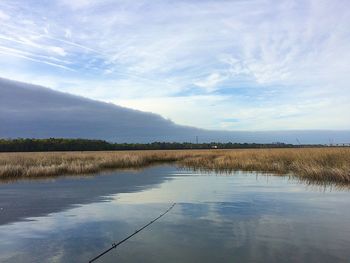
(240,217)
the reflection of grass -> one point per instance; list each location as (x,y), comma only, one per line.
(320,164)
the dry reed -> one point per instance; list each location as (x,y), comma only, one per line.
(319,164)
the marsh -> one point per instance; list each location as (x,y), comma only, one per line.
(325,165)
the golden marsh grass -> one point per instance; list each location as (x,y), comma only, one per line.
(314,164)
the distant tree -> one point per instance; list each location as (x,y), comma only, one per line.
(60,144)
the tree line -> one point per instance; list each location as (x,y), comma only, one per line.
(62,144)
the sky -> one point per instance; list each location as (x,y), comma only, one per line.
(230,65)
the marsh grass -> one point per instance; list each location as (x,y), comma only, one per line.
(312,164)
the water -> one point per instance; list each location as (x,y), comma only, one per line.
(218,218)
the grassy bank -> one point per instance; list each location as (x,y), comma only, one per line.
(320,164)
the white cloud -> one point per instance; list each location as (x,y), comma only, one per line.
(268,55)
(210,82)
(221,112)
(79,4)
(58,50)
(4,16)
(192,110)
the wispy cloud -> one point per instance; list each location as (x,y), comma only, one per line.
(210,82)
(3,16)
(275,65)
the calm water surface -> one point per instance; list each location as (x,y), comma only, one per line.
(242,217)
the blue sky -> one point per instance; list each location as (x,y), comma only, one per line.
(233,65)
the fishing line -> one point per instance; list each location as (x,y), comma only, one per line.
(114,245)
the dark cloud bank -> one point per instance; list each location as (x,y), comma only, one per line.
(32,111)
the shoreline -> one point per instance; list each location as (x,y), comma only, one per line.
(329,165)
